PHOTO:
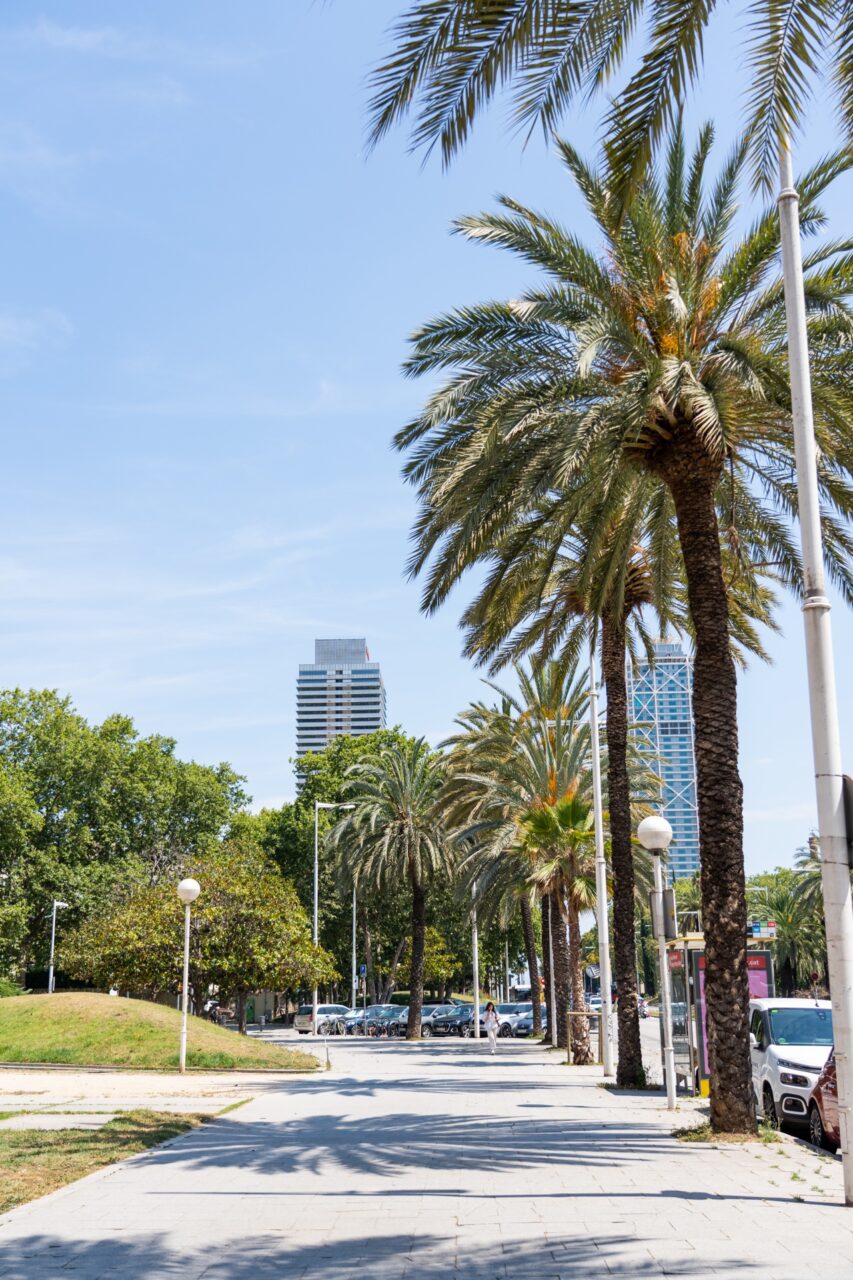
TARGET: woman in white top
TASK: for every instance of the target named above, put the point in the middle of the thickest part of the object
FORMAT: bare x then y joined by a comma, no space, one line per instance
491,1023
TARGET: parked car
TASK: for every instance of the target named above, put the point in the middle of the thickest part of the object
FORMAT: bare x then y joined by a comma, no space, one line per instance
824,1127
358,1019
330,1019
790,1041
428,1015
509,1015
448,1022
524,1026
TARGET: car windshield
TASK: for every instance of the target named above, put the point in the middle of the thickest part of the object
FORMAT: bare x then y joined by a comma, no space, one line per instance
509,1008
304,1011
801,1026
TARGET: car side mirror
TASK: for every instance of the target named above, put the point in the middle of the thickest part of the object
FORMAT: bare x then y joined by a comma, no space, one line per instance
753,1043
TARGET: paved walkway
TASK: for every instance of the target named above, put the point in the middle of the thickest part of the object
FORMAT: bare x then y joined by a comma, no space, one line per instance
435,1160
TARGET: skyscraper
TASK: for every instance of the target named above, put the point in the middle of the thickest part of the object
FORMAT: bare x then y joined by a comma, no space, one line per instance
340,692
660,698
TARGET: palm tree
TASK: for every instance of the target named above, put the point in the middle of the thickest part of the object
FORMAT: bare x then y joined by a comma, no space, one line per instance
396,832
560,839
799,948
542,586
664,356
506,765
452,56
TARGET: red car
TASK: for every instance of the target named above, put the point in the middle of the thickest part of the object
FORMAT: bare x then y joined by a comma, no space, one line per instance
823,1109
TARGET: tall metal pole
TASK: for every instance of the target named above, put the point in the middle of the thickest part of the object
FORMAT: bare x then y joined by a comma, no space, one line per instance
316,934
601,915
552,1014
185,988
826,741
475,949
506,969
354,987
665,996
52,946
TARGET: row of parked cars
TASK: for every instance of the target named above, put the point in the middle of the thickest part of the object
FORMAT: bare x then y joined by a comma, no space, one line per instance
793,1066
450,1017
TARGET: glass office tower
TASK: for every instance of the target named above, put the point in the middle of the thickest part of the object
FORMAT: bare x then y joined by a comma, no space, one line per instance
660,698
340,692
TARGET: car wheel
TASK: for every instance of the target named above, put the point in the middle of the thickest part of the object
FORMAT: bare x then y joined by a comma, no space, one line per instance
426,1032
505,1031
817,1133
323,1029
771,1115
465,1032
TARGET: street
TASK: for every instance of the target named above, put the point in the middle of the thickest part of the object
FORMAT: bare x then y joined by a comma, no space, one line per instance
416,1160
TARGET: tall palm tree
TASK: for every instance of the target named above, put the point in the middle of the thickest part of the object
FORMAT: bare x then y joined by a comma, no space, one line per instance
560,839
664,355
506,764
394,833
542,589
451,57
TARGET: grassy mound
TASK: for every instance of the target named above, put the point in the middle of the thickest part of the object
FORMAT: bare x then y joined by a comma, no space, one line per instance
84,1029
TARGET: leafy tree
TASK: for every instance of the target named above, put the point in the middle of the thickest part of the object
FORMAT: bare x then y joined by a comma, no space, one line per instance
396,834
439,963
665,356
248,932
86,808
287,835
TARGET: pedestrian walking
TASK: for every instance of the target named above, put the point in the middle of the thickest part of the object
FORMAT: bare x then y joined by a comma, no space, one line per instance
491,1023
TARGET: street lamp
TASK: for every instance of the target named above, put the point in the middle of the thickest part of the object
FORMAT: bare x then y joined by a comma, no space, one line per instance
475,953
188,891
655,834
318,805
57,906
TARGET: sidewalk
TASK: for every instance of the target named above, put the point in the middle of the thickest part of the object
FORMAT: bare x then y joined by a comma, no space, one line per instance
436,1160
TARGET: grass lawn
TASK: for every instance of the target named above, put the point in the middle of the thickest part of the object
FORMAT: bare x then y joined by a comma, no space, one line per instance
34,1162
81,1028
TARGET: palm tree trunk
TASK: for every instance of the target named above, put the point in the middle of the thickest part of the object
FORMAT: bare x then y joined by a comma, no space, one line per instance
629,1068
692,482
416,985
545,906
562,978
532,962
581,1053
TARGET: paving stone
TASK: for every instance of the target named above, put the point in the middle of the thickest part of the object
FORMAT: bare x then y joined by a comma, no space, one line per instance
433,1160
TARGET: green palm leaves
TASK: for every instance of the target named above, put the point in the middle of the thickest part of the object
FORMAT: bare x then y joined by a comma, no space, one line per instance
452,57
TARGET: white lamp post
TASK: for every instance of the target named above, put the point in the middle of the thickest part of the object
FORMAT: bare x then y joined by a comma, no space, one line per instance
823,704
354,987
188,891
475,950
655,834
600,868
318,805
57,906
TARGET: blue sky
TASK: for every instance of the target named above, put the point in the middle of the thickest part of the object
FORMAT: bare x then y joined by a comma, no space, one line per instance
204,305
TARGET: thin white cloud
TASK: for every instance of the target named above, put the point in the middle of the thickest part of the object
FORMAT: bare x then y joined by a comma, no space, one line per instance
119,44
25,332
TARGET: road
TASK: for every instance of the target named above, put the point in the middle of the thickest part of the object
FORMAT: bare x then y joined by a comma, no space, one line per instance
435,1160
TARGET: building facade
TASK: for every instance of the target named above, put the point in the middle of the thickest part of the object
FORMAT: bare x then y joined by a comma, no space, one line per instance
660,706
340,692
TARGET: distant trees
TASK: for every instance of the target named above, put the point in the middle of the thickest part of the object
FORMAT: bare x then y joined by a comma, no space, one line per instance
85,808
396,834
249,933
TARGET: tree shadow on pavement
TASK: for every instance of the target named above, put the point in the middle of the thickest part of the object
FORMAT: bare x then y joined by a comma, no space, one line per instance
264,1255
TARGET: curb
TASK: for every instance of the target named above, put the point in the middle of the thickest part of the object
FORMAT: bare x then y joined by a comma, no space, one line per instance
91,1069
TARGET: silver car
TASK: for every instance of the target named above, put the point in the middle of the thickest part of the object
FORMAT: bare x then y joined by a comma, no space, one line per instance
330,1019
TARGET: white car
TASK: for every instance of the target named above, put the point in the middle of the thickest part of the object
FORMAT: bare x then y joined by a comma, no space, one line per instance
790,1041
330,1018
